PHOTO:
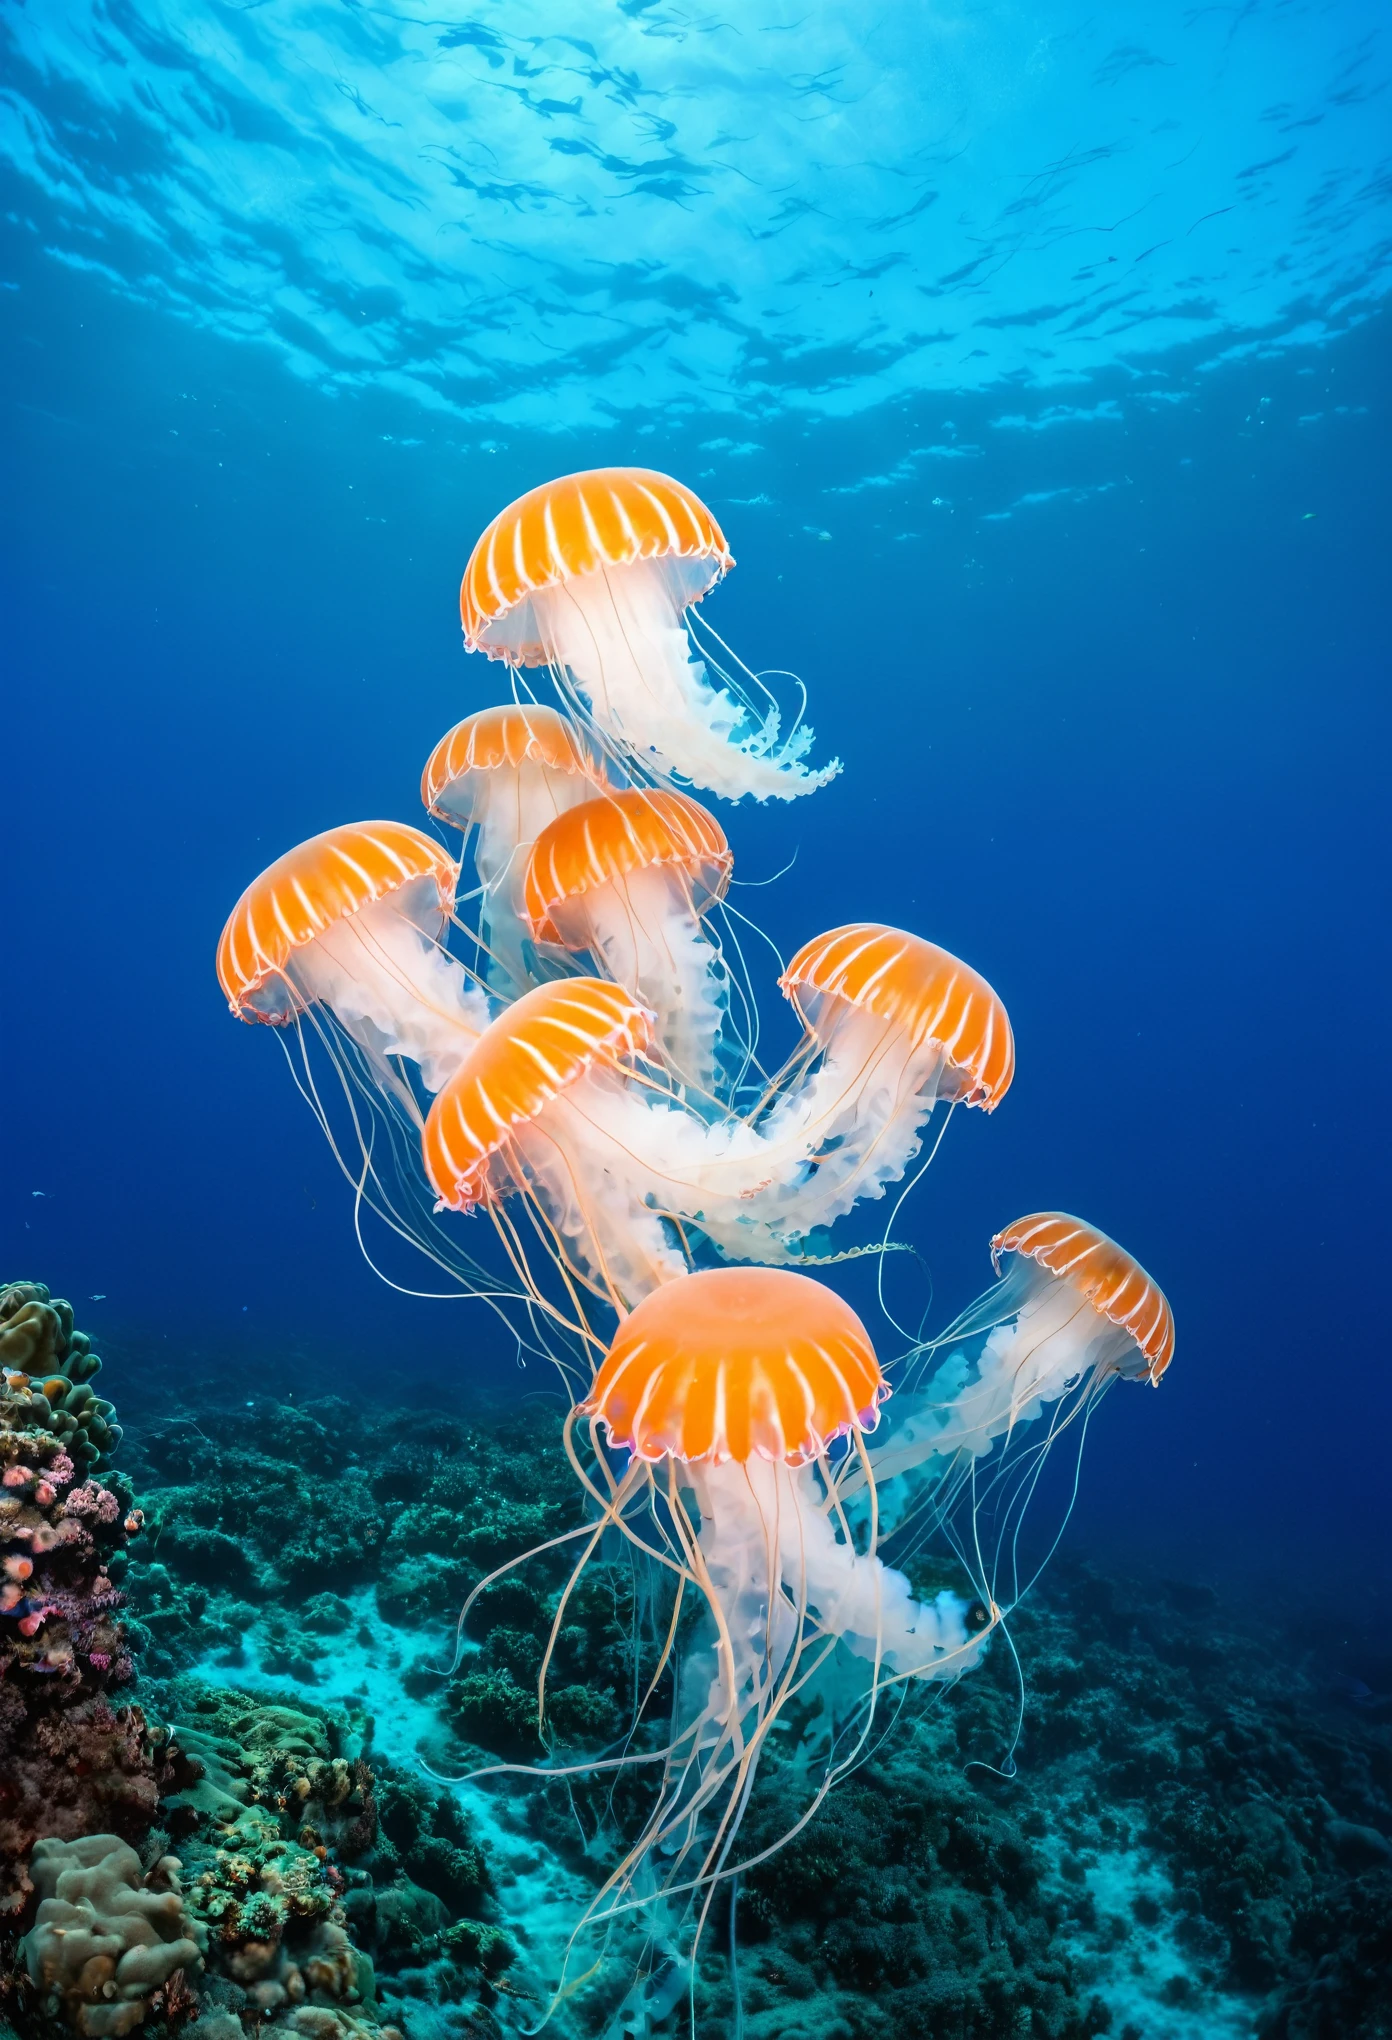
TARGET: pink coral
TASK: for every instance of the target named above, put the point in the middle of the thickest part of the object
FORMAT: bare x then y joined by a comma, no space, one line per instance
61,1470
18,1476
93,1500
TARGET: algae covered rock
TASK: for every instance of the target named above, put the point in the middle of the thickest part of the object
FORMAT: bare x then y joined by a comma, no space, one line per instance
426,1833
479,1946
108,1943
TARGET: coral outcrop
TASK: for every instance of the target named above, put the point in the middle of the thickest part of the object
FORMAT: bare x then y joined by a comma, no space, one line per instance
301,1862
75,1763
110,1944
263,1815
263,1806
37,1340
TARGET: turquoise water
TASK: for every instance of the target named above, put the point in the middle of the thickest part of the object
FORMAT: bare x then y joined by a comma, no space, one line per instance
1034,364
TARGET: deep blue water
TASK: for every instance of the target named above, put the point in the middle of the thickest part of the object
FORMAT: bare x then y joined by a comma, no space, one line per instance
1093,603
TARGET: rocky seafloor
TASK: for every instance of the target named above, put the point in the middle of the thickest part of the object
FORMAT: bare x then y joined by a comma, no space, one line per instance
228,1697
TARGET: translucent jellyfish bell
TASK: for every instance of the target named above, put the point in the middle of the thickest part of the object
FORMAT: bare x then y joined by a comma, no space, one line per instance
505,773
894,1026
593,575
521,1118
629,877
352,921
729,1391
744,1377
1072,1312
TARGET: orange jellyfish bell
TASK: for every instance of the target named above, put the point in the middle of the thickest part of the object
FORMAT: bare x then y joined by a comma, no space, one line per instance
606,841
604,517
460,769
921,991
297,901
504,773
533,1053
596,576
736,1364
1114,1283
628,877
352,923
537,1112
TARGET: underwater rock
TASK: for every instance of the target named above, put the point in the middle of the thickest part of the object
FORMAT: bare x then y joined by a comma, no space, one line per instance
426,1832
108,1944
479,1946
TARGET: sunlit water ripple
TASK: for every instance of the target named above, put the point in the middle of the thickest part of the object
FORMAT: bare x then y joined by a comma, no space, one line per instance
548,215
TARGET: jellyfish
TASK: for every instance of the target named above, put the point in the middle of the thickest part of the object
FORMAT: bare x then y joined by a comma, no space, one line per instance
506,773
893,1027
739,1397
353,921
629,877
1073,1313
596,576
633,1183
746,1377
340,944
517,1120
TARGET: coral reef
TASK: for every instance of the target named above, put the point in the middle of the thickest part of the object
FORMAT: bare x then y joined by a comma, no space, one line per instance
265,1526
1165,1859
304,1864
109,1944
75,1764
259,1803
1197,1837
1118,1881
37,1340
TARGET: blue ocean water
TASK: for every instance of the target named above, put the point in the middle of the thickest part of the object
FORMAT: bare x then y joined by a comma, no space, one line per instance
1036,362
1036,366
